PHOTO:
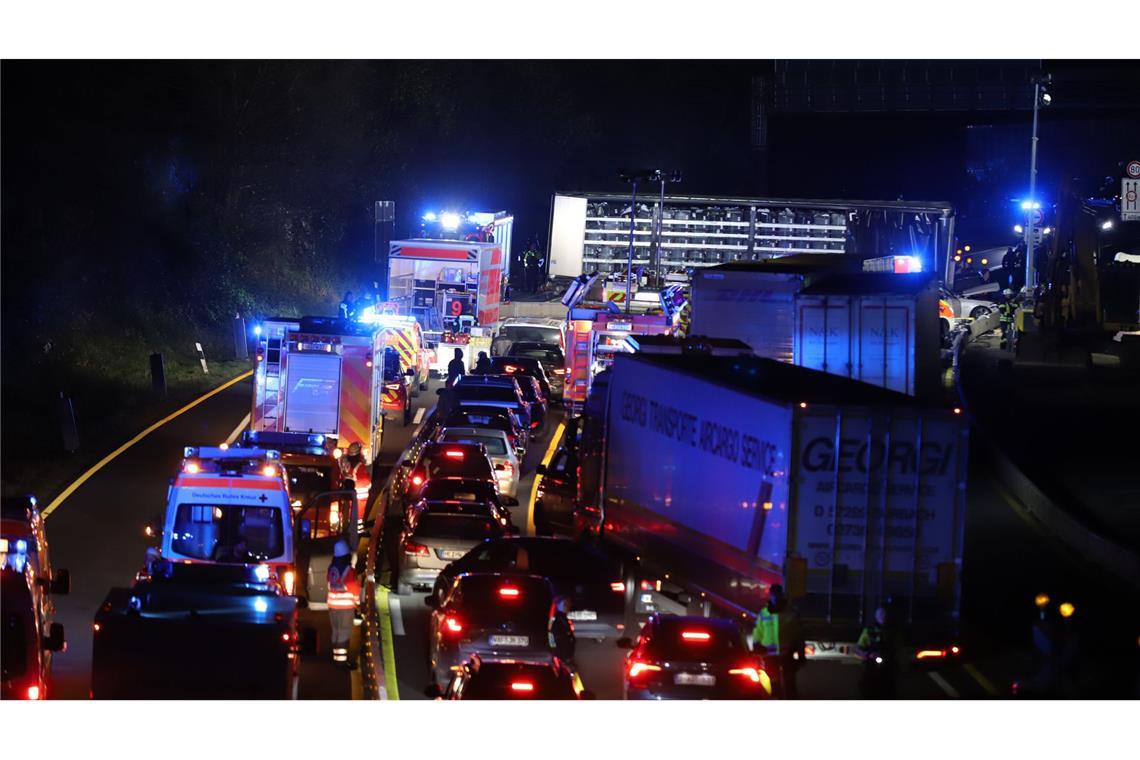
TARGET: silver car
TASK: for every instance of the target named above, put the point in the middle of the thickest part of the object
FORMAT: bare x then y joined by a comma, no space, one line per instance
438,532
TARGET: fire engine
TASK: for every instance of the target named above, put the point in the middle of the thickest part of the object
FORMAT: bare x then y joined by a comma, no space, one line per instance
322,375
406,363
595,336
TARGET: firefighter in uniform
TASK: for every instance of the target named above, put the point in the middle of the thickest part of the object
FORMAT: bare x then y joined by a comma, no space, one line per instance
531,267
1008,311
777,636
876,645
344,591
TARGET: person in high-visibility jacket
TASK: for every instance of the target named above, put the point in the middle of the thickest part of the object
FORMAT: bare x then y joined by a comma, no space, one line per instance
344,592
777,636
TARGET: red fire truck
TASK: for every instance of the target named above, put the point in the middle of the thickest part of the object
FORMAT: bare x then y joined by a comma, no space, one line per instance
594,337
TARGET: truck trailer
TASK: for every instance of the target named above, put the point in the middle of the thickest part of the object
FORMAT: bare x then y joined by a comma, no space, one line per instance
729,474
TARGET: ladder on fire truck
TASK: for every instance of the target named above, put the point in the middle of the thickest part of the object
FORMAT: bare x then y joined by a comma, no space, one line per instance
271,394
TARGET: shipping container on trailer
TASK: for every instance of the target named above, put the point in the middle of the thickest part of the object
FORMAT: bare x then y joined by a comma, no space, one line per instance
320,375
727,475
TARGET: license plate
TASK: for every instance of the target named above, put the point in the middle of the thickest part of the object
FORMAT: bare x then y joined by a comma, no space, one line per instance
582,615
510,641
694,679
451,553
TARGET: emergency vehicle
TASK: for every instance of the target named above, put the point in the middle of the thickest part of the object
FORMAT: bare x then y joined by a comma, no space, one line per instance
321,375
232,505
29,582
406,364
595,337
447,285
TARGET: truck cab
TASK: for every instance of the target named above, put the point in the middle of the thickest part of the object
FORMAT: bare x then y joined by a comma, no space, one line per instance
231,506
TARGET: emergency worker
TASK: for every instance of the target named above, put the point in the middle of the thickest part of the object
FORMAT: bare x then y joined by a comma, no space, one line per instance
344,592
877,646
347,306
531,258
352,464
1007,310
456,368
561,631
482,365
778,638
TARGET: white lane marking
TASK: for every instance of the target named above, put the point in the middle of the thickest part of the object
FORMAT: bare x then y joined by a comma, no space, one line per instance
944,685
420,415
237,431
397,617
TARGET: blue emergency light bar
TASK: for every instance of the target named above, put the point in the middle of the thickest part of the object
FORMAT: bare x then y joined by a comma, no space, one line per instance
227,452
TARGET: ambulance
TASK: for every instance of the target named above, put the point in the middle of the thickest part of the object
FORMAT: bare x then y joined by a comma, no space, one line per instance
232,506
323,375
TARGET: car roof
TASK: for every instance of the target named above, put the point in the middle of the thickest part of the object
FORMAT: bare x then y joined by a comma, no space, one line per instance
530,322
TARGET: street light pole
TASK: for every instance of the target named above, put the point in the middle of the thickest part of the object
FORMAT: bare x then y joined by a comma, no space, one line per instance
1033,203
629,260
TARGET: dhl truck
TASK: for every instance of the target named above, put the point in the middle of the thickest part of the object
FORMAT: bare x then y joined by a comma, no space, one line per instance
322,375
721,476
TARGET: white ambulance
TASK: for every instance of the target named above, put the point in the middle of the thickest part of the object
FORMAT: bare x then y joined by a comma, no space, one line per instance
231,505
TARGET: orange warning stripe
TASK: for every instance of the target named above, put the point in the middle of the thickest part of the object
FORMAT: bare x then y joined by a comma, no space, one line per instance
258,484
355,401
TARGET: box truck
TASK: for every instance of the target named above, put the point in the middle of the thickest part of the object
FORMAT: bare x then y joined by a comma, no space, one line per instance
725,475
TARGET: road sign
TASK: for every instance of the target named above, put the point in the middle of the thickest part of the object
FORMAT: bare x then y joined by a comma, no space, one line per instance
1038,216
1132,171
1130,200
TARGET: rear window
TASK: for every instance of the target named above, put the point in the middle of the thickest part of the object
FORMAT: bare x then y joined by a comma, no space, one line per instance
477,419
228,533
439,525
680,639
566,559
465,490
543,355
486,393
495,445
530,334
471,464
514,682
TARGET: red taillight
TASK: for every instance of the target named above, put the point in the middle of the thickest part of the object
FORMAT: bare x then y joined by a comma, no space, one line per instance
695,636
617,586
454,454
417,479
526,686
930,654
534,424
506,467
33,692
954,650
637,667
416,550
288,580
509,592
509,368
751,673
452,625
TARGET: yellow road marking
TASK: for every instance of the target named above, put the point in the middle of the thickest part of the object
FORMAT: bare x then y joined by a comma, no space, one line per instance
554,439
390,684
984,682
237,431
107,459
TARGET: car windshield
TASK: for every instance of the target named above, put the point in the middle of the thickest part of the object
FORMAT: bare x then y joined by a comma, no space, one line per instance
468,463
309,479
445,525
682,639
563,559
496,446
483,602
532,333
494,681
548,355
228,532
459,490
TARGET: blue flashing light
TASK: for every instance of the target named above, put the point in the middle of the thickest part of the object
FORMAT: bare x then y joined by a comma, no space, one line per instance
21,546
317,439
430,216
1026,205
259,603
261,572
449,221
257,329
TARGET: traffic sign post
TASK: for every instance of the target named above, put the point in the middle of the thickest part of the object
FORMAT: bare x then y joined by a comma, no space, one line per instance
1130,198
1132,171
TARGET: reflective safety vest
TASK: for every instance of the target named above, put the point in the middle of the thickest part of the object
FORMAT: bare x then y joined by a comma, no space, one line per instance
344,589
775,631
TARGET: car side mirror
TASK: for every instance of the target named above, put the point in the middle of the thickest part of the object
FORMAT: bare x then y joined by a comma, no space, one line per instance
61,582
540,470
54,641
433,691
510,501
308,641
625,642
431,601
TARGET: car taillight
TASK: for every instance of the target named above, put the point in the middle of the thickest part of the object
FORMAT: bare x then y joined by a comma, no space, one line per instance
452,625
334,515
289,580
930,654
752,674
416,550
33,692
417,479
509,369
637,667
454,454
695,636
526,686
509,592
534,424
617,586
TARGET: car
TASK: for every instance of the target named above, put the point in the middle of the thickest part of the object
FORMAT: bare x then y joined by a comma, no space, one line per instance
511,679
523,365
436,532
507,464
492,390
530,330
576,569
448,460
683,657
492,615
963,307
550,356
495,418
557,493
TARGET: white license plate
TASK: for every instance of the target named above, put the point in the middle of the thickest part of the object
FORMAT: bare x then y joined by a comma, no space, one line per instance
582,615
694,679
451,553
510,641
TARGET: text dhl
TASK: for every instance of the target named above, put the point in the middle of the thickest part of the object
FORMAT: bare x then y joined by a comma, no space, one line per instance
857,455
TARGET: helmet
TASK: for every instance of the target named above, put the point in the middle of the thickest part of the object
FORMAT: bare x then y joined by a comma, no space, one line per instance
1007,293
354,449
341,549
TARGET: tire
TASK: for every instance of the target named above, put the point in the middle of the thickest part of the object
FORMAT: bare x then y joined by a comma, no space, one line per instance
979,312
